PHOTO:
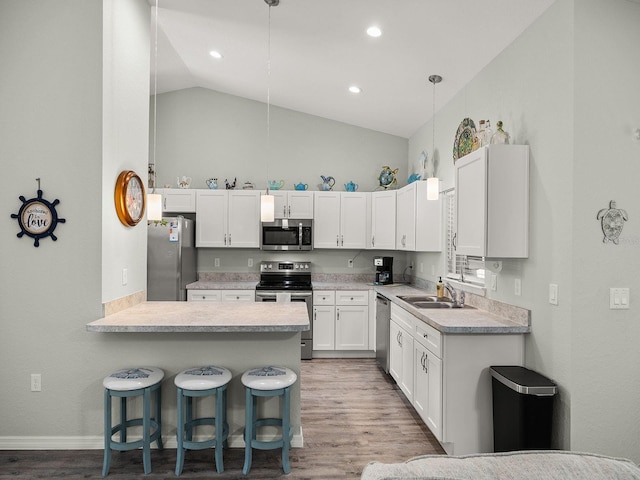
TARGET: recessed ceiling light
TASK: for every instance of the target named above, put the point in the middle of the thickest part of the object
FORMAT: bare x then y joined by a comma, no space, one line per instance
215,54
355,89
374,31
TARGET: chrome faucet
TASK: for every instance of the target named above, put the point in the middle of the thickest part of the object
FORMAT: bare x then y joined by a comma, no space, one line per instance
456,297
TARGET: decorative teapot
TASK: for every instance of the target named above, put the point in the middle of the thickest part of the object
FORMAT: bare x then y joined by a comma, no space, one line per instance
184,182
387,177
351,187
276,184
248,186
212,183
300,186
327,182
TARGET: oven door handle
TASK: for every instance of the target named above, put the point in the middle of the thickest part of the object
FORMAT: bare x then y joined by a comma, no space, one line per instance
260,295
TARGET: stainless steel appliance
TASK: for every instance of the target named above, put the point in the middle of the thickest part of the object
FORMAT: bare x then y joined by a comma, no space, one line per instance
288,281
384,270
383,323
171,258
287,234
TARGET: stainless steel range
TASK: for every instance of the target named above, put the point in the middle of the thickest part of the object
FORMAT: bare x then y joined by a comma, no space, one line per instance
294,279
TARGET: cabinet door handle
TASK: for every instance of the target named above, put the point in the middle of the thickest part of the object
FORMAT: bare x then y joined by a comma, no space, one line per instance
424,335
337,240
164,203
373,240
284,210
289,210
453,241
225,238
426,360
229,239
337,314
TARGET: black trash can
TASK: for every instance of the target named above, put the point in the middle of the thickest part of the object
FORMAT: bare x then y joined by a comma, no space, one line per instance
522,409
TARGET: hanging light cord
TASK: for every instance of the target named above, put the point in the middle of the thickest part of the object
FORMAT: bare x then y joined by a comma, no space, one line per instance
155,97
268,97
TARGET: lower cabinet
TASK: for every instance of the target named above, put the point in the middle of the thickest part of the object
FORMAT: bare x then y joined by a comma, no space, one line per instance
341,320
446,377
221,296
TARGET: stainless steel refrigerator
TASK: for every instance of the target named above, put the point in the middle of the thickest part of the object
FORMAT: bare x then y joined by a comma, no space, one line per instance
171,258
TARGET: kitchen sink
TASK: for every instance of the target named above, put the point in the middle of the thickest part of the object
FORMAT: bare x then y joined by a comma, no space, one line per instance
429,302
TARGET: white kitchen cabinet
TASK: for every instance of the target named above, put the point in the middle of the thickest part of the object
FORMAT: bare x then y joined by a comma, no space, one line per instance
450,383
427,395
383,220
227,218
177,200
418,220
296,204
341,320
341,220
401,350
221,296
492,202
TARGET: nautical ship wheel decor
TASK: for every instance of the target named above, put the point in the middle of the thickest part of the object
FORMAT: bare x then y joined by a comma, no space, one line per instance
37,218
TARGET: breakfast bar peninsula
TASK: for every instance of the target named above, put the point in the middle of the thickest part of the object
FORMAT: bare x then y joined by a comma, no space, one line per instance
235,335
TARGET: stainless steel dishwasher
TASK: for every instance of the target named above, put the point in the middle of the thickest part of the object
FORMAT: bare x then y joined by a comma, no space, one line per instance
383,320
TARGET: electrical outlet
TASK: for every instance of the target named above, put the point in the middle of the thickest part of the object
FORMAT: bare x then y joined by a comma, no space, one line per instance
433,270
517,287
125,276
216,262
36,382
421,267
350,263
250,262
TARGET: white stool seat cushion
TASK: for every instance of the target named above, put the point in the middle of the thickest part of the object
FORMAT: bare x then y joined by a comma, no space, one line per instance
203,378
269,378
133,378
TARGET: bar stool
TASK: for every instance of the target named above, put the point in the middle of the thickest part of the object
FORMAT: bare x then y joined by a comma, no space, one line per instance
267,382
127,383
202,382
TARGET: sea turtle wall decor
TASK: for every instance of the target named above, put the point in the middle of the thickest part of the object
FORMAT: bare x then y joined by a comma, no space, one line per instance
612,220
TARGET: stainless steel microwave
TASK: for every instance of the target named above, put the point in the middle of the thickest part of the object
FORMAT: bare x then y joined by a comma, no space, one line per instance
287,234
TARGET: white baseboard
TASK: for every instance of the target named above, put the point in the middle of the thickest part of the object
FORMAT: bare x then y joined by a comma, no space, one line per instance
97,443
343,354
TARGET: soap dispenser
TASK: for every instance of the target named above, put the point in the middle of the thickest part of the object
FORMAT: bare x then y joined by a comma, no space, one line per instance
440,289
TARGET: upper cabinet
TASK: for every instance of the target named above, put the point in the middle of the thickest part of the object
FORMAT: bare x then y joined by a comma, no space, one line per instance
177,200
228,218
296,204
341,220
418,220
383,220
492,202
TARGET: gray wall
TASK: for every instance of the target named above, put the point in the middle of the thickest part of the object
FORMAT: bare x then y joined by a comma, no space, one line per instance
202,134
568,88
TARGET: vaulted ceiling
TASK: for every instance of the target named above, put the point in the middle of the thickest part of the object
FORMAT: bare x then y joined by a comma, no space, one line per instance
319,48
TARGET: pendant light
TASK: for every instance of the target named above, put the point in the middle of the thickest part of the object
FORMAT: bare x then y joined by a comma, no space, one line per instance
267,202
154,200
433,183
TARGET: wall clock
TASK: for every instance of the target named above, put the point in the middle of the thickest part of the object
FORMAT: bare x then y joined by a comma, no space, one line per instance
129,198
37,218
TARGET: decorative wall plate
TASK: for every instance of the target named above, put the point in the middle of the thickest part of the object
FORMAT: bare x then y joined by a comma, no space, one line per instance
37,218
463,143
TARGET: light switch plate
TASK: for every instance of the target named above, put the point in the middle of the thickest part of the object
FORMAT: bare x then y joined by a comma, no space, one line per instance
553,294
618,298
517,287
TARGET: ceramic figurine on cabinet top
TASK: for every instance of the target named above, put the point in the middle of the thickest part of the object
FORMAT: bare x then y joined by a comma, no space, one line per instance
387,177
230,186
212,183
500,137
351,187
184,182
612,220
327,183
276,184
300,186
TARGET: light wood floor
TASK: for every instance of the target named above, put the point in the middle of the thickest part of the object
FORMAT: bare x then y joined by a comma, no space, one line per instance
349,419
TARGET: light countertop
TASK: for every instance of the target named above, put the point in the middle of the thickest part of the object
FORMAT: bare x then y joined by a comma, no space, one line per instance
501,319
206,317
220,285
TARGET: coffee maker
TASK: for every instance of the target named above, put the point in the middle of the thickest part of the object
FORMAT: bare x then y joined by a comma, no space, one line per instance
384,270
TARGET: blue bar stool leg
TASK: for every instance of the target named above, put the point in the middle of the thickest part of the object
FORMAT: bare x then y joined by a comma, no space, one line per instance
180,433
159,417
248,431
189,410
225,444
286,430
146,426
220,426
107,433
